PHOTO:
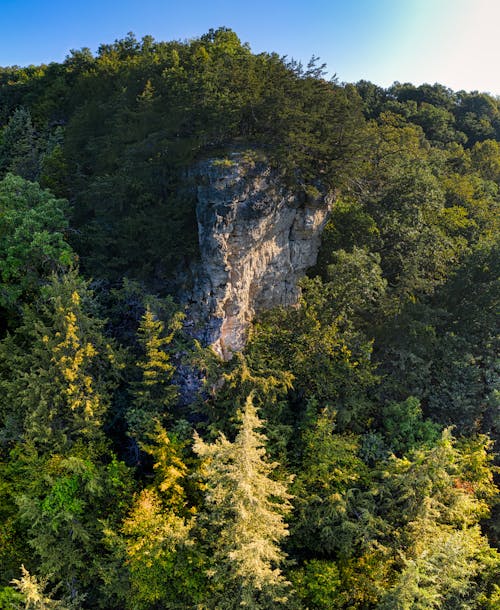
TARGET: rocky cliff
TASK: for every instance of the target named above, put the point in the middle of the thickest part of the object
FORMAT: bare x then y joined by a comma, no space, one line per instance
257,238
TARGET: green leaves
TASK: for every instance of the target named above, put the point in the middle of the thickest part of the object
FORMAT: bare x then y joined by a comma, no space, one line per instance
326,492
32,239
404,428
18,146
318,584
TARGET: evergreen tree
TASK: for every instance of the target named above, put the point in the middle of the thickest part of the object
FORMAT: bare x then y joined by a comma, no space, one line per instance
438,496
33,225
154,394
155,542
244,519
59,369
33,594
59,373
18,147
228,385
332,517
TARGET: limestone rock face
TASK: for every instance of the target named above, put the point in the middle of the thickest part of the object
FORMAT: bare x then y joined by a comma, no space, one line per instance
256,238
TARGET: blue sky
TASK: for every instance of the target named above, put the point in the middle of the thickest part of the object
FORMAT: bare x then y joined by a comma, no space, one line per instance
454,42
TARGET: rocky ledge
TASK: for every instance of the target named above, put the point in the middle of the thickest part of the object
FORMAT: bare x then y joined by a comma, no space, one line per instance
257,238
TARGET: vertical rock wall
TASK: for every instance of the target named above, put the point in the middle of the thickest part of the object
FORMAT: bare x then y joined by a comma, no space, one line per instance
256,238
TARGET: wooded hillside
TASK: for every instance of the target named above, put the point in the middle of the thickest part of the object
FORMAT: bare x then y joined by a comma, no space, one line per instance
347,458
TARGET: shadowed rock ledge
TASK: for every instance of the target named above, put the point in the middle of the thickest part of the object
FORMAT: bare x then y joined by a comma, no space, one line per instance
257,238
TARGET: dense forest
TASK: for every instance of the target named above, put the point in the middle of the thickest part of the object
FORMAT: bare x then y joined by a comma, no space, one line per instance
347,458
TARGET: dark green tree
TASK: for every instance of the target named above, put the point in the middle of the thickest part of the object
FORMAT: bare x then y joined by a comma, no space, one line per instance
18,146
33,242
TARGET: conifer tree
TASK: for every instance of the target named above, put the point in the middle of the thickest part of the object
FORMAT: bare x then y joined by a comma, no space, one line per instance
245,510
331,515
437,497
57,379
60,370
33,225
153,393
153,542
33,594
18,147
155,535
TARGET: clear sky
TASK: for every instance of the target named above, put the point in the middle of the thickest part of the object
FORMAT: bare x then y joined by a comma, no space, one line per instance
453,42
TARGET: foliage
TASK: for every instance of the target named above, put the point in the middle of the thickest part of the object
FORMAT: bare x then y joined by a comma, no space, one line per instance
378,393
245,509
59,369
331,516
58,375
443,494
317,584
18,153
154,393
32,592
156,534
32,239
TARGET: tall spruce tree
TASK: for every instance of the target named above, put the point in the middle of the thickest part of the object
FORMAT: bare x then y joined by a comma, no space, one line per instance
154,392
155,537
244,519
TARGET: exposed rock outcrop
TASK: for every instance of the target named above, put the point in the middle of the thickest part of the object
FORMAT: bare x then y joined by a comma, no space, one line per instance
256,238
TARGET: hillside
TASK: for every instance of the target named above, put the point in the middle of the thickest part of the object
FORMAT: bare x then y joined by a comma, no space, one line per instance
249,335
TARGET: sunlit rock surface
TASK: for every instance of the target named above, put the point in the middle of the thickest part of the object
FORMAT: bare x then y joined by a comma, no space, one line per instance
257,238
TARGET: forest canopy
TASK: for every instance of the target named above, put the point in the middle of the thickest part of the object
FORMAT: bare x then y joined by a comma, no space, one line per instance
348,457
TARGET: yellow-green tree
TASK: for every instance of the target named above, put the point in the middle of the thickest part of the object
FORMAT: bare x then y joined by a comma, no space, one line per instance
155,537
243,519
438,496
154,393
58,374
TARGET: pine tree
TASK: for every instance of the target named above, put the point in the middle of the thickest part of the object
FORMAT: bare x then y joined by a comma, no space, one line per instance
245,510
154,393
442,493
332,515
60,370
